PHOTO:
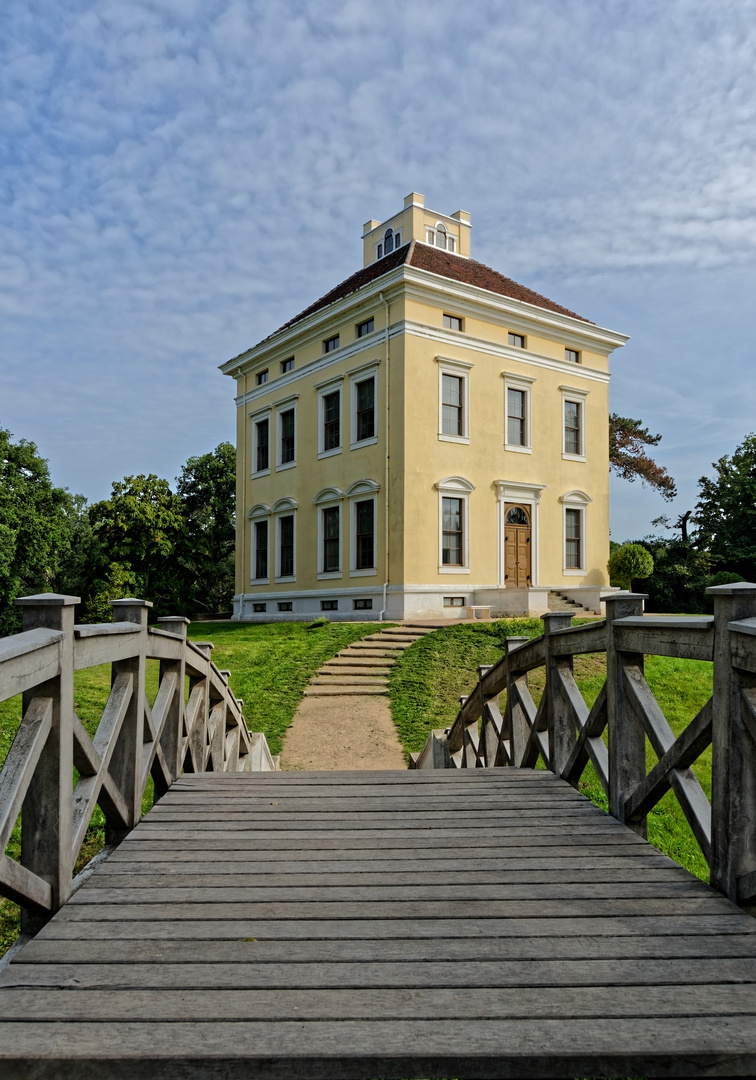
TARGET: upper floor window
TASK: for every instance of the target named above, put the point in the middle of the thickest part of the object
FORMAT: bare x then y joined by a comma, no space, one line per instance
366,327
261,377
573,427
288,445
517,432
332,420
331,344
365,391
518,340
572,356
262,445
452,322
287,365
452,405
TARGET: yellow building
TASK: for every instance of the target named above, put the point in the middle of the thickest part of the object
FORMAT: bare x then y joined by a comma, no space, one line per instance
427,437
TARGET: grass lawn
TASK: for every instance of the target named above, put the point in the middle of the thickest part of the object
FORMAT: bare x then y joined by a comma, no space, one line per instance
432,674
270,666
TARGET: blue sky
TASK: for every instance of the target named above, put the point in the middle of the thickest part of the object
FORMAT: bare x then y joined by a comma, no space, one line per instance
179,177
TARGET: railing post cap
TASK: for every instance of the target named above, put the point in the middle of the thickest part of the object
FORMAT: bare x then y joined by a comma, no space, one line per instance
623,594
203,644
174,619
735,588
131,601
47,599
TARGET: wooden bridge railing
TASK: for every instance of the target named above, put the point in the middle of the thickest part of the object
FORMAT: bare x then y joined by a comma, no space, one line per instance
566,734
55,774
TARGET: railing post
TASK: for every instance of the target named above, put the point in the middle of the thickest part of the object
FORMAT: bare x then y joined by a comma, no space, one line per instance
627,739
171,738
47,811
561,726
519,731
126,761
733,767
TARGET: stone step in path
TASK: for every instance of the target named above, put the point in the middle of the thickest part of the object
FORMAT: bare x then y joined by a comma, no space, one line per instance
363,667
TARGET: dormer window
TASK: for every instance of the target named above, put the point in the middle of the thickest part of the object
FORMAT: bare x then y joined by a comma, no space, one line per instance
388,241
439,237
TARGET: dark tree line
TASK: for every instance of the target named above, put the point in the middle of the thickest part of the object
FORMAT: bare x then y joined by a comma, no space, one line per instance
174,547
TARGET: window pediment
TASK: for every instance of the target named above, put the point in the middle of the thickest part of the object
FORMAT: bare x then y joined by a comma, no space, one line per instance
362,487
284,504
328,494
258,510
455,483
576,497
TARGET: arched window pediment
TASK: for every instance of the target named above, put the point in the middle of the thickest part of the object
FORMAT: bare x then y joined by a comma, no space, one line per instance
577,497
258,510
328,494
455,483
285,504
362,487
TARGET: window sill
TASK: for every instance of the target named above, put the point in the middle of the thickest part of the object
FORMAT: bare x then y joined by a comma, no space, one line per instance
329,575
260,581
454,438
263,472
454,569
286,465
285,580
329,453
574,573
363,442
363,573
515,449
573,457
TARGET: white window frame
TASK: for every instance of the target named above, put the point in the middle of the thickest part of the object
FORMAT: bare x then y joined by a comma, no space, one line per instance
359,375
460,369
362,491
256,418
576,396
575,500
324,389
525,384
284,508
259,512
286,405
326,498
513,344
454,487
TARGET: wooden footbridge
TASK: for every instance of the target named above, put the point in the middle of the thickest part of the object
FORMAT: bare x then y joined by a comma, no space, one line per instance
471,917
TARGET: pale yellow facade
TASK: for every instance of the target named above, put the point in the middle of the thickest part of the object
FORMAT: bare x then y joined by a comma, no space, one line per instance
403,509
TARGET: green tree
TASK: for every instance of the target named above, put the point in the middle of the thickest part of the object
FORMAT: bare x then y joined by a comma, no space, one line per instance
207,489
629,562
36,524
628,458
726,511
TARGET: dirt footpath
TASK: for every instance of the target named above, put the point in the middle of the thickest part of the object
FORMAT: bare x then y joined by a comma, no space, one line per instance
342,733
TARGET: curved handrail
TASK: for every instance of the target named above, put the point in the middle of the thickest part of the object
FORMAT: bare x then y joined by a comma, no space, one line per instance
55,774
566,735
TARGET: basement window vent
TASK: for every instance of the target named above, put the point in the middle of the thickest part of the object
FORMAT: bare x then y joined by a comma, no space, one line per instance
259,607
363,605
329,605
454,601
285,605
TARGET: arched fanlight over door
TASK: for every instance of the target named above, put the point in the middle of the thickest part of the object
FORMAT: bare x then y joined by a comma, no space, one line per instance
518,515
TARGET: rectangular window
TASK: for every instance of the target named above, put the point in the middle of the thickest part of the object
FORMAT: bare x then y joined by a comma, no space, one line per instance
331,344
452,405
288,448
379,251
572,356
365,328
286,546
261,377
261,549
572,426
285,605
365,391
332,420
452,547
262,443
518,340
364,513
516,418
331,540
329,605
573,542
287,365
452,322
454,601
259,608
363,605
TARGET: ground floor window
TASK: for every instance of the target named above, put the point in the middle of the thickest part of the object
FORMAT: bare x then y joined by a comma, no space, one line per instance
261,549
331,539
452,545
286,546
573,539
365,534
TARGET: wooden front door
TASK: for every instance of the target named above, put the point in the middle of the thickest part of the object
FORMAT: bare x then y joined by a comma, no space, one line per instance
517,546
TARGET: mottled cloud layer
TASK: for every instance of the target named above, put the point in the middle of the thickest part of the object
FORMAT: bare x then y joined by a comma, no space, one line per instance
179,176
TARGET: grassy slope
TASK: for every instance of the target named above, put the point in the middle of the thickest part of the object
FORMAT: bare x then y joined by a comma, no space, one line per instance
270,666
432,674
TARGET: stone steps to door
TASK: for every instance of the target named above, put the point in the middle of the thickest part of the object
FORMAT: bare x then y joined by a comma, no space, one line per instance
363,667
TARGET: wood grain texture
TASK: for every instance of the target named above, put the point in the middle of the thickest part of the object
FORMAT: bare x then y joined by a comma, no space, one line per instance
377,926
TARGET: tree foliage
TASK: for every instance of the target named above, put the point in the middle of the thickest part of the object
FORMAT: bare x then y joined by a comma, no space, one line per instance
36,524
628,458
630,562
207,490
725,514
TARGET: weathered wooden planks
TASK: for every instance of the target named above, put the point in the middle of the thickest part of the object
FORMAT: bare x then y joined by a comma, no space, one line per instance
383,925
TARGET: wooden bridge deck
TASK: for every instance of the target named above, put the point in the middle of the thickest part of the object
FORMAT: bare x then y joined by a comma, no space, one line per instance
474,923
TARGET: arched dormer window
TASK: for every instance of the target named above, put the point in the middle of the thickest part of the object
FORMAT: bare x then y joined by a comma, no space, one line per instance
441,235
388,241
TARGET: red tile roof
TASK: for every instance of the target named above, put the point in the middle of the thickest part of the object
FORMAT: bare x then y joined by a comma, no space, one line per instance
424,257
